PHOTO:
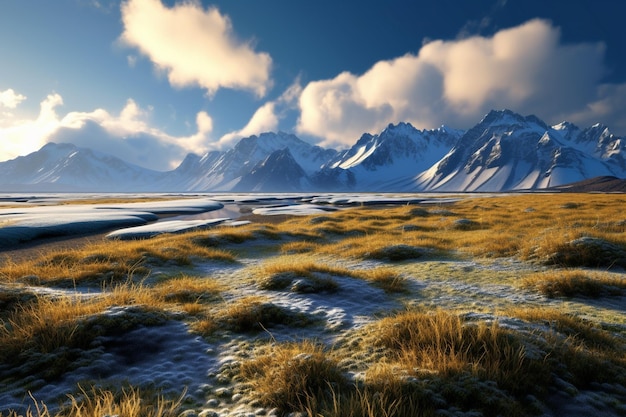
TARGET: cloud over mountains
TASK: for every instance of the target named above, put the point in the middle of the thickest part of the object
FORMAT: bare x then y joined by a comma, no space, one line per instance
525,68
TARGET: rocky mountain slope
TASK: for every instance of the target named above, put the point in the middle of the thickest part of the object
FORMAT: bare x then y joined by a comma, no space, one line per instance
507,151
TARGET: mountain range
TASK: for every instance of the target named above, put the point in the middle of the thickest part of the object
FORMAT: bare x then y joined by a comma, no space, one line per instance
505,151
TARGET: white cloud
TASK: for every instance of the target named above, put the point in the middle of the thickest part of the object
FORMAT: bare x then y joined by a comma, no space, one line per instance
127,135
609,103
10,99
19,137
524,68
194,46
264,119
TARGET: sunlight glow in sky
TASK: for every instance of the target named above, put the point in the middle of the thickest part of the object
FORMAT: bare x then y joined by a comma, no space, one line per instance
152,80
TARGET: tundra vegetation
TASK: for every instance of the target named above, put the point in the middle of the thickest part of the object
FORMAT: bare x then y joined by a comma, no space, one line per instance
506,305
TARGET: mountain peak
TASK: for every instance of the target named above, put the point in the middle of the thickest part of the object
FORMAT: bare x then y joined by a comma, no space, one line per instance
507,117
565,125
58,146
399,128
279,171
504,151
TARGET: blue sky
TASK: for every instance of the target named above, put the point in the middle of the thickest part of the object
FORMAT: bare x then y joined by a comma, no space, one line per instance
151,80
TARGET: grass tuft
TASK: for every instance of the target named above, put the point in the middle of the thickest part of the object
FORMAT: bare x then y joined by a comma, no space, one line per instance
442,343
386,278
292,376
96,402
588,251
300,277
395,253
252,314
575,283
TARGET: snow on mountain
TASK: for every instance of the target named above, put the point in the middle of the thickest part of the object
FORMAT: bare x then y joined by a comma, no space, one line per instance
598,141
398,151
507,151
279,172
65,167
504,151
222,171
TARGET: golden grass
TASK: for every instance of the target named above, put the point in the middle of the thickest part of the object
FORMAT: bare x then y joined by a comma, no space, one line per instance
441,343
129,402
60,324
571,326
307,377
281,273
45,325
576,283
110,262
298,247
530,226
254,313
429,360
187,289
579,350
247,314
384,277
290,376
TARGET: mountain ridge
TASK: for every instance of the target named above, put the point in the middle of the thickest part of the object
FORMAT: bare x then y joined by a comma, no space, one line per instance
504,151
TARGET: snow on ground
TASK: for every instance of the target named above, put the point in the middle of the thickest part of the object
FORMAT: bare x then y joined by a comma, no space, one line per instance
16,228
154,229
292,209
22,224
354,304
195,205
169,357
50,217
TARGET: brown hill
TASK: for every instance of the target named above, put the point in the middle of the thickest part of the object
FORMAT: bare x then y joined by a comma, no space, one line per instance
604,184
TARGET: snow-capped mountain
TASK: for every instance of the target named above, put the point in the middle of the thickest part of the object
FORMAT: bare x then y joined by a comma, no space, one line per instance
596,140
279,172
504,151
222,171
398,151
65,167
507,151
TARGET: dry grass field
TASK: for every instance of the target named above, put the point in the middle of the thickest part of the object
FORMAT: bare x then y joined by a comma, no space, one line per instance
491,305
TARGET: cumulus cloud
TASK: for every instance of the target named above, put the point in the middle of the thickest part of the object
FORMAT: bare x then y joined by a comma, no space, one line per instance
606,108
127,135
266,118
194,46
10,99
18,137
524,68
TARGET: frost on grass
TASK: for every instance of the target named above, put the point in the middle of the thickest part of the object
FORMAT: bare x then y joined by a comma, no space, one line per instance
120,346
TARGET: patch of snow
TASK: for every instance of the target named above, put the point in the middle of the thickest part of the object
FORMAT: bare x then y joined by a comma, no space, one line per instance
292,209
361,154
27,223
196,205
173,226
